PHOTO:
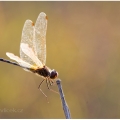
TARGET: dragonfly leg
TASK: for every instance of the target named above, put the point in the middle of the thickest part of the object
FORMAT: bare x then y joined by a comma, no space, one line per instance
49,87
41,83
41,90
50,82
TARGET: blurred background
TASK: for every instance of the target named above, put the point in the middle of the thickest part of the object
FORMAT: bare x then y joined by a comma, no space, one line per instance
83,45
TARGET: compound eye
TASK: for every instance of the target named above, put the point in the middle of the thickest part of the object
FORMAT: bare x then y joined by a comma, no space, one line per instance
54,74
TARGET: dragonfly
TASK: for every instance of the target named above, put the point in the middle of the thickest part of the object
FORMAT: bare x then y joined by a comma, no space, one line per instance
33,51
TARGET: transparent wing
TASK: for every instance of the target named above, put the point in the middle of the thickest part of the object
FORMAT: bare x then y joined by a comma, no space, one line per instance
39,42
27,38
19,60
29,52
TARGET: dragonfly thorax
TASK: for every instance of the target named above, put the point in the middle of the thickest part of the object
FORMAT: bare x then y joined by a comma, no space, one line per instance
45,72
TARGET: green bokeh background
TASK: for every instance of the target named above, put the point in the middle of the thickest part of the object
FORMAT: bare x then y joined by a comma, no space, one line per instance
83,45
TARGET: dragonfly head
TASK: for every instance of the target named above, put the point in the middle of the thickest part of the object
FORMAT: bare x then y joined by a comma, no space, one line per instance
53,74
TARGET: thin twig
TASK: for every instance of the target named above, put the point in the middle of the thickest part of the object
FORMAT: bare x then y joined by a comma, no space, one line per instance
64,103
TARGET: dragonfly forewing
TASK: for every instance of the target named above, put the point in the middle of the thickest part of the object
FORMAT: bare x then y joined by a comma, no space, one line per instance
40,37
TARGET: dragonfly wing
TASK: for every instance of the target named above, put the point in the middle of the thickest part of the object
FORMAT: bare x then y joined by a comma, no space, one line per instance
30,53
39,42
19,60
27,38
